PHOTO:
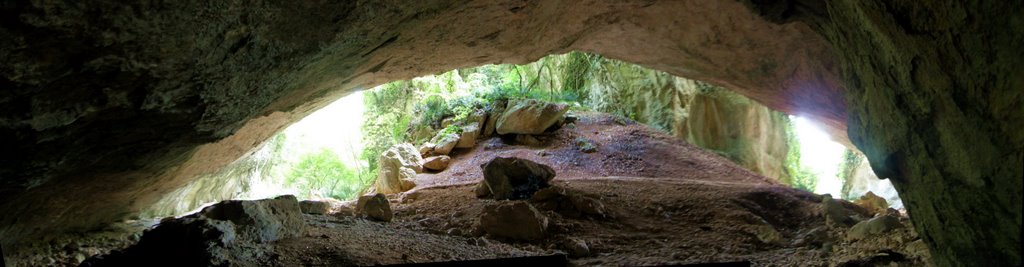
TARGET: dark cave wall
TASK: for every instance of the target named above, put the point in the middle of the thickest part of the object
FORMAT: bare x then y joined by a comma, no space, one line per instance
934,95
935,101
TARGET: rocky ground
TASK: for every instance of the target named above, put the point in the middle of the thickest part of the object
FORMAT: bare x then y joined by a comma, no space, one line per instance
623,194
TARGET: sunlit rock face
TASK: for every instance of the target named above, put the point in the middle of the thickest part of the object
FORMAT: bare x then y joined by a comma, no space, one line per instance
109,105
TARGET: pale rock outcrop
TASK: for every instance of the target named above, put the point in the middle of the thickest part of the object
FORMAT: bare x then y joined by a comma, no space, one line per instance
398,167
529,116
468,137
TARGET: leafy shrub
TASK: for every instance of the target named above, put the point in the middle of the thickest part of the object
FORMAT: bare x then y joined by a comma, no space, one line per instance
324,174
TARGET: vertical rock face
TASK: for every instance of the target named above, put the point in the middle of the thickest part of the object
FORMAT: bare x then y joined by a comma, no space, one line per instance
748,133
935,102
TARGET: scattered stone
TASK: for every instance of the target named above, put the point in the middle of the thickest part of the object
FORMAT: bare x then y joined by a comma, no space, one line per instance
315,207
514,220
529,116
398,167
817,237
481,190
528,140
444,143
585,145
375,207
874,226
468,137
837,213
79,257
515,178
873,203
767,234
577,248
437,163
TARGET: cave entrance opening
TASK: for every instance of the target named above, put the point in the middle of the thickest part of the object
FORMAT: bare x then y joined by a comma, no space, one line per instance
334,152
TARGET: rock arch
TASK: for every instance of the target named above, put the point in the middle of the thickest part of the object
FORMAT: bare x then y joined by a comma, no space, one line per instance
110,105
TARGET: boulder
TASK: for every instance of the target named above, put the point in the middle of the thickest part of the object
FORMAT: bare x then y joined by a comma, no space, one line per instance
478,118
874,226
873,203
437,163
529,116
481,190
262,220
375,207
497,108
839,212
315,207
426,149
468,137
216,236
397,169
515,178
577,248
514,220
444,143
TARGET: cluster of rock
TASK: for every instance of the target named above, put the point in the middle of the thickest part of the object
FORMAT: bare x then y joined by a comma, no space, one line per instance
216,236
872,233
522,118
524,193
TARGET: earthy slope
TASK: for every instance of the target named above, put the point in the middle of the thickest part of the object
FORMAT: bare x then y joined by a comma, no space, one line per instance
666,202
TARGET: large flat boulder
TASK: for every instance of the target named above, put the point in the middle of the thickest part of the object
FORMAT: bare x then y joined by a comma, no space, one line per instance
529,116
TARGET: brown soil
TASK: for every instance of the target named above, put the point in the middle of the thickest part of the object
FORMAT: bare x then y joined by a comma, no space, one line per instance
668,202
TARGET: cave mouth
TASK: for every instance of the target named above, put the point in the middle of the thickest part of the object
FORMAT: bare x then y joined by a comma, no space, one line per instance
335,155
325,155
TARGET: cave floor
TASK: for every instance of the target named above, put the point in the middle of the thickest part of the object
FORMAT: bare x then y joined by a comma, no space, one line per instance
667,203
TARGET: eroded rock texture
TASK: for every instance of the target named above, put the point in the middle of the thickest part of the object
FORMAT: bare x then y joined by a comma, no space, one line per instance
109,105
934,97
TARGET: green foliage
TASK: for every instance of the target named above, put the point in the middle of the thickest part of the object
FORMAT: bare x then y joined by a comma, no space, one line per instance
846,169
385,120
801,176
324,174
